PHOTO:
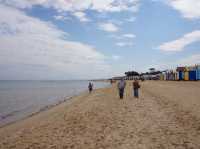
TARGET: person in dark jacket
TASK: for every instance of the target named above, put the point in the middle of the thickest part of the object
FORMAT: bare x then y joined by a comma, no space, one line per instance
136,87
90,87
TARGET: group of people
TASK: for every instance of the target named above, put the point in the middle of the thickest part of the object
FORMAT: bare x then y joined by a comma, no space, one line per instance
121,87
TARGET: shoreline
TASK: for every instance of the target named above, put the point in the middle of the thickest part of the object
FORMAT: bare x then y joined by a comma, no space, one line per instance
23,111
46,108
17,125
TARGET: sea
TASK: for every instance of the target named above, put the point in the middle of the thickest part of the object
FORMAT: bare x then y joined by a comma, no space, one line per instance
20,99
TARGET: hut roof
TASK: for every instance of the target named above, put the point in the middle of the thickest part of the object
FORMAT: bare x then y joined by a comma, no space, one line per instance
180,69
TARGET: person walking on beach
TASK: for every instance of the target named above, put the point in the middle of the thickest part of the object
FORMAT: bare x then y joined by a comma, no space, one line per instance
136,87
121,86
90,87
111,81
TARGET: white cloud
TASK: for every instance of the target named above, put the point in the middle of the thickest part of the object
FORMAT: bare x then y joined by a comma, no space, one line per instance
124,44
188,8
181,43
81,16
61,17
123,36
108,27
78,5
131,19
129,36
31,47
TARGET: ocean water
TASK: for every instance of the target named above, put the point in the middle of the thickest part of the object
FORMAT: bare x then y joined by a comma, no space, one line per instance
19,99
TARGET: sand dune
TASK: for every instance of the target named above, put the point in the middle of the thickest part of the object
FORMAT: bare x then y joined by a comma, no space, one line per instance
166,116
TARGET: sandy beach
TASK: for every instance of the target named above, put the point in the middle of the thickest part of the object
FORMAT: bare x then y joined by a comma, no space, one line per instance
166,116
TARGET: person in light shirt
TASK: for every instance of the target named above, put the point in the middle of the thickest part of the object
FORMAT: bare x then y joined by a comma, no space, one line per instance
121,86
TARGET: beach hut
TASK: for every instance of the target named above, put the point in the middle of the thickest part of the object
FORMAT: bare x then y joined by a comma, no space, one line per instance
172,76
186,74
192,75
180,71
161,77
181,75
198,72
176,76
165,76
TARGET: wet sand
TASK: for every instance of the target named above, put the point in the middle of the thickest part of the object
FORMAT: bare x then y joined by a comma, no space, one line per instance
166,116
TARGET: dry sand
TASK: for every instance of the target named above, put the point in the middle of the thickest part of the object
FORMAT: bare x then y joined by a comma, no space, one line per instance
166,116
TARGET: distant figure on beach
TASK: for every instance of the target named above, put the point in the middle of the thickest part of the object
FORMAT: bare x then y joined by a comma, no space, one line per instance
121,86
111,81
136,87
90,87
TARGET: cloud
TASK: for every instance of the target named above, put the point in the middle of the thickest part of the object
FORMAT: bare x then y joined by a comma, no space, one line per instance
123,36
181,43
190,9
62,17
30,47
124,44
129,36
108,27
81,16
131,19
78,5
59,17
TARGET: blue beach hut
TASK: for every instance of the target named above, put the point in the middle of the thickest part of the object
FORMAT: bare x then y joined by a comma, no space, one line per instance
180,71
181,75
193,75
198,72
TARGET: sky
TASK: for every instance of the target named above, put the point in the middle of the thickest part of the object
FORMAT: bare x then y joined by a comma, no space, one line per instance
91,39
